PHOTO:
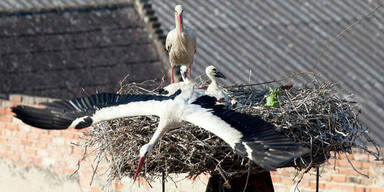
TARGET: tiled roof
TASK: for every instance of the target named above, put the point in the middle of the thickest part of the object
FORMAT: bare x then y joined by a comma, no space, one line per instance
22,5
61,53
269,39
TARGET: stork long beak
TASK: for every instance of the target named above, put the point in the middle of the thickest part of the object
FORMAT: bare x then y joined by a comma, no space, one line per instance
141,162
218,74
180,20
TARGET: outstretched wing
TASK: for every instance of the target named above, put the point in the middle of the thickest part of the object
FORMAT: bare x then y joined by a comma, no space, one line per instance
85,111
249,135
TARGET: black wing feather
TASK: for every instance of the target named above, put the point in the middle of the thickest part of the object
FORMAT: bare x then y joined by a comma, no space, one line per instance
270,148
61,114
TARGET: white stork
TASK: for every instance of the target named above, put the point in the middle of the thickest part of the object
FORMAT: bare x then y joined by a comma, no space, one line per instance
213,89
180,43
172,88
250,136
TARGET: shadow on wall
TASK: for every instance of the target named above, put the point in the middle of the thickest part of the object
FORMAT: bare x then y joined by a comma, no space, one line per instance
16,179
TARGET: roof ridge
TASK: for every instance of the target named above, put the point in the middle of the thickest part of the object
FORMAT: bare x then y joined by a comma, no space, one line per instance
34,7
153,25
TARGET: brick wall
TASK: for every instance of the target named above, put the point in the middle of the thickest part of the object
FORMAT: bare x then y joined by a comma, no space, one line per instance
51,153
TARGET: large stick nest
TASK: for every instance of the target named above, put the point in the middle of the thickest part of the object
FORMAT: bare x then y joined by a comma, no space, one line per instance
313,115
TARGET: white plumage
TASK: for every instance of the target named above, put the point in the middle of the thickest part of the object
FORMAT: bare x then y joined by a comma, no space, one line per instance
180,43
213,89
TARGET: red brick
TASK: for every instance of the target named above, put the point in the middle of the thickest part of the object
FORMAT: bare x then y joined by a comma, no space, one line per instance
77,150
9,133
26,142
12,126
118,186
287,181
349,171
339,178
39,131
306,190
39,145
366,181
65,150
36,160
343,156
13,156
21,135
69,171
3,141
15,98
339,186
58,170
33,136
304,184
376,190
5,111
313,185
55,132
68,135
275,178
365,165
360,189
3,125
356,180
361,156
6,118
30,151
45,139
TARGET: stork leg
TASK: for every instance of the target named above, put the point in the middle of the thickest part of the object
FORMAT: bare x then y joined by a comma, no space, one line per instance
172,79
189,71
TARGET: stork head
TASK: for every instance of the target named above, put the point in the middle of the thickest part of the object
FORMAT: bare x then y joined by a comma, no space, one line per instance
178,9
144,152
212,73
179,17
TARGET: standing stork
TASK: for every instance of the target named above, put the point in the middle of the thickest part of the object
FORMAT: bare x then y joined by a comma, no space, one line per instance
249,135
180,43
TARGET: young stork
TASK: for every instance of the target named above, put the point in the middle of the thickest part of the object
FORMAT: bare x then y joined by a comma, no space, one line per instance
180,43
172,88
213,89
250,136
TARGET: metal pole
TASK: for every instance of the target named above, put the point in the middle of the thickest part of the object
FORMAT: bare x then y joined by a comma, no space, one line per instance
317,179
163,182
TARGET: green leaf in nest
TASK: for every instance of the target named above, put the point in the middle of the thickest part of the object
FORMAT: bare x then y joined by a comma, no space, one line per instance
272,100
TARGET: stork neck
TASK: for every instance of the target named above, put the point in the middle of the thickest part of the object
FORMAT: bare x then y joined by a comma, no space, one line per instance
161,129
213,80
179,24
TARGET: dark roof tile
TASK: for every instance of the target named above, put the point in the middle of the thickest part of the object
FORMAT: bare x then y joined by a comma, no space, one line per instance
59,53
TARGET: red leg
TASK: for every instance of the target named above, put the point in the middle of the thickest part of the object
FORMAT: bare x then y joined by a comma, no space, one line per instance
172,80
189,71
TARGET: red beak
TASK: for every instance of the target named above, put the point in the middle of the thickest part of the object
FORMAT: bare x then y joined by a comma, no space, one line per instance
180,19
141,162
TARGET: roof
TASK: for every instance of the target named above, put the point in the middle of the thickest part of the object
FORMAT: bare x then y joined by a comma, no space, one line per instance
63,53
258,41
23,5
